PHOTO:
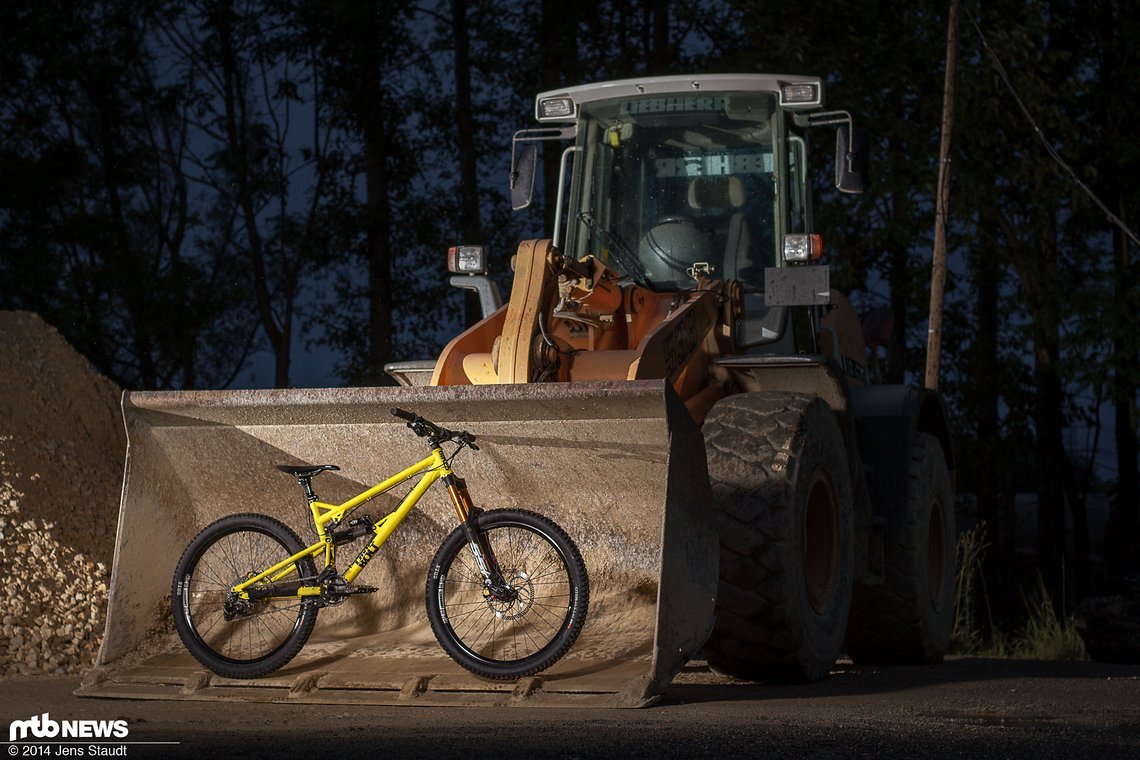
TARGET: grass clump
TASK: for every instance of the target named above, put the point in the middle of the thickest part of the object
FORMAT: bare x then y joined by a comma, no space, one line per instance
1044,635
967,636
1047,635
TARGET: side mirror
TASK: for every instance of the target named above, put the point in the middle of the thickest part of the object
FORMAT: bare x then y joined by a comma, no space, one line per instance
524,156
851,159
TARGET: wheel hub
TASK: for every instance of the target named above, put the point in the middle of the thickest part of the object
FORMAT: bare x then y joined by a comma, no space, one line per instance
821,541
234,607
513,598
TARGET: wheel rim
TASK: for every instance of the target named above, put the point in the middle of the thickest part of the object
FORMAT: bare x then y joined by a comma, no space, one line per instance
244,639
508,629
936,554
821,540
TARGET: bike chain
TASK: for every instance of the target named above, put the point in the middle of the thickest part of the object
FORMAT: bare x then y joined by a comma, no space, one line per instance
276,609
290,607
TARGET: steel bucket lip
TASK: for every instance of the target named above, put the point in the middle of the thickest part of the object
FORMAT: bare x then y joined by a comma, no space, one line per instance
481,403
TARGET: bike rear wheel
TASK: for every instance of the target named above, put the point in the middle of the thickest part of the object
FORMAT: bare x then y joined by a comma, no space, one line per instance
259,635
529,625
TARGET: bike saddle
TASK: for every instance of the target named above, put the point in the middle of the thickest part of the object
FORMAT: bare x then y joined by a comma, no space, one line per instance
306,470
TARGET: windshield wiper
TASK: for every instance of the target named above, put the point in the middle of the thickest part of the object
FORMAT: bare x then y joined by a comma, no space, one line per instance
621,252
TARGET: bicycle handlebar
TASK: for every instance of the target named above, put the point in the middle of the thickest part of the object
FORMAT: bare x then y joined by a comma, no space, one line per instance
409,416
422,427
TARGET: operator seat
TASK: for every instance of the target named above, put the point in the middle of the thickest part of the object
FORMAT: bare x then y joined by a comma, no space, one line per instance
726,193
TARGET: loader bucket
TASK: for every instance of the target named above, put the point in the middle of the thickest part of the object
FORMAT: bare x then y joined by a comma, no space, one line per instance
620,466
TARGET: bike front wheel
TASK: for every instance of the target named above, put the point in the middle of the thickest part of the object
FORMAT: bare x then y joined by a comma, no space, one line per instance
241,638
528,623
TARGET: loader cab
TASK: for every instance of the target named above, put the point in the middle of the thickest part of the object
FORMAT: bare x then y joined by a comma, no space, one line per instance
673,177
665,186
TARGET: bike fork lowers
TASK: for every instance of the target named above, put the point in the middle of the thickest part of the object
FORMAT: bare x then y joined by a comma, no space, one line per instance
476,540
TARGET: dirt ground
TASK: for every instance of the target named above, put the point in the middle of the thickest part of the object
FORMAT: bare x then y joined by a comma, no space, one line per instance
968,707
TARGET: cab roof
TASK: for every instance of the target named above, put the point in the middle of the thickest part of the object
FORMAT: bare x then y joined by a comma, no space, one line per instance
794,91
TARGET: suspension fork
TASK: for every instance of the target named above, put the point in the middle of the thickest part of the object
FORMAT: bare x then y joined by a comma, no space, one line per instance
476,539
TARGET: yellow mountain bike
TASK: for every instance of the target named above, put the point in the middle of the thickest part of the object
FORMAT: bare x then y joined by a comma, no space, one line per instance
507,591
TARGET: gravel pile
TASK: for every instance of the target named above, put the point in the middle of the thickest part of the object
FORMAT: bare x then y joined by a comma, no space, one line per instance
53,617
61,462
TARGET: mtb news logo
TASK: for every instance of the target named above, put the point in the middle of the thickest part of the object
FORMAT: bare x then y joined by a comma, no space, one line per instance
43,727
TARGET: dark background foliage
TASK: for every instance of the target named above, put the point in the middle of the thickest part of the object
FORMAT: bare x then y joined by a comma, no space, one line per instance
210,193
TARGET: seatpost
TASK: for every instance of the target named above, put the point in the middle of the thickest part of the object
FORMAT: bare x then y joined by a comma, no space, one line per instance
306,482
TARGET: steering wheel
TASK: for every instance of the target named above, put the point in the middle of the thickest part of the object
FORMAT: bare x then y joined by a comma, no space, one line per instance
671,247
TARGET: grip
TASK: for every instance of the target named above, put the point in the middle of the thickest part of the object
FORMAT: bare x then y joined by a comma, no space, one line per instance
404,415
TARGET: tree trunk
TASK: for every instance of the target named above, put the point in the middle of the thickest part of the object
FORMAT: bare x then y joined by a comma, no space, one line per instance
659,54
558,29
378,238
1049,418
1037,268
238,152
899,282
942,210
354,38
997,562
470,230
1048,411
1122,542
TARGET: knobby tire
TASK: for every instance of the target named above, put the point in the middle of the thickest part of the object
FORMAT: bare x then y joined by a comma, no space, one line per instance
521,636
273,630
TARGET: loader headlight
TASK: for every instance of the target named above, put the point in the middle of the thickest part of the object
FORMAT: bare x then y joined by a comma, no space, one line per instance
802,247
467,259
801,94
561,108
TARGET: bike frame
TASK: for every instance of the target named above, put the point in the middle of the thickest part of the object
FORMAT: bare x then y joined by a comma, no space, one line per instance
434,467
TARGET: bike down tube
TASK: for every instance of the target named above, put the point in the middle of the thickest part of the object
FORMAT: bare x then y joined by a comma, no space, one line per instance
437,468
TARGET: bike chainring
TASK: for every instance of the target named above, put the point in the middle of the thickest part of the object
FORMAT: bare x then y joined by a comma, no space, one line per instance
333,588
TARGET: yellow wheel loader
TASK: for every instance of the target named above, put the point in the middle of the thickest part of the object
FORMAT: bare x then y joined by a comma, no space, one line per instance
700,403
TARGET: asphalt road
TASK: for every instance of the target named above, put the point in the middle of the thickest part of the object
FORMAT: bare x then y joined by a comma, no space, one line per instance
965,708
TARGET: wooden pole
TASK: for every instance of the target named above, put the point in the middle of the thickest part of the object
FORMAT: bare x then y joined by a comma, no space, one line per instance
938,261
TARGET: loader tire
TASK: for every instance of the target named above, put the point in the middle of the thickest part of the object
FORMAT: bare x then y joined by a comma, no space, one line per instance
269,632
907,619
782,489
530,627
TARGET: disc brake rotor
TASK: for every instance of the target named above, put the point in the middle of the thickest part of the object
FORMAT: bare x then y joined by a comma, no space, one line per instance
518,601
